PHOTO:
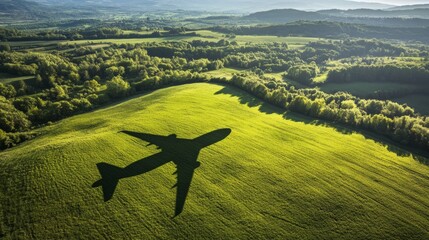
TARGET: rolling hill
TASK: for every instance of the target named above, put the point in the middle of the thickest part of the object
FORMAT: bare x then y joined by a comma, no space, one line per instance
221,5
326,29
371,13
409,7
402,18
21,9
12,11
274,177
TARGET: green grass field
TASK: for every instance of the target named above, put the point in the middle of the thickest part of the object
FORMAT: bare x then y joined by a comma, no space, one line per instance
229,72
273,177
362,89
224,72
293,42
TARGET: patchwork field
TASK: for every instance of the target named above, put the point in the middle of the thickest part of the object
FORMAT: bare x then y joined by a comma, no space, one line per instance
275,176
203,35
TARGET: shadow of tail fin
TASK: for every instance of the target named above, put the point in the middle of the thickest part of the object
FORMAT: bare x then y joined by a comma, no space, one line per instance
110,176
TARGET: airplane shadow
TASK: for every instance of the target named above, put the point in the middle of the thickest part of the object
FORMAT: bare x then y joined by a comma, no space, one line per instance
182,152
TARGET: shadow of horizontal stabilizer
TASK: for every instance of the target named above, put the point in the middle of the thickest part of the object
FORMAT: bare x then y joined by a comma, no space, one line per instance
110,176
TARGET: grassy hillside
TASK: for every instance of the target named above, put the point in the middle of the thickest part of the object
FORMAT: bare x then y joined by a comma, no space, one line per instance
273,177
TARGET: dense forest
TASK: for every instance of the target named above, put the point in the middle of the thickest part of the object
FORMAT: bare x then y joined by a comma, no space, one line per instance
75,79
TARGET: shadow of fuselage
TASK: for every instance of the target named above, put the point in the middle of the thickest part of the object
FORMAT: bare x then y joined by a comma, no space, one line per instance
182,152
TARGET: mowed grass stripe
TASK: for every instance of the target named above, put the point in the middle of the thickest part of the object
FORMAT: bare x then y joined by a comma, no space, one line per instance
270,178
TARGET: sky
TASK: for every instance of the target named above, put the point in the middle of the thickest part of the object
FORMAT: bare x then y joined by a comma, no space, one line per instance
398,2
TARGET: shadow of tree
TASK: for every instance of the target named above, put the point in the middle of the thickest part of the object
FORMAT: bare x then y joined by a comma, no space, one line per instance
399,150
249,100
182,152
264,107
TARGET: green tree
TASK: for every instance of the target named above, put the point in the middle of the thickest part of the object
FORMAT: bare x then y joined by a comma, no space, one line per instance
117,87
91,86
4,140
7,91
11,119
25,104
4,47
303,73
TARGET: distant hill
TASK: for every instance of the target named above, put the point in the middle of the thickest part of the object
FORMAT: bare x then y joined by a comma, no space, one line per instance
391,19
326,29
409,7
21,9
220,5
285,15
15,5
409,13
16,10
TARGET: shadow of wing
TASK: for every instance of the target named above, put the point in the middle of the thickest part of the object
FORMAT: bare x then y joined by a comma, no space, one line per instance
185,172
159,141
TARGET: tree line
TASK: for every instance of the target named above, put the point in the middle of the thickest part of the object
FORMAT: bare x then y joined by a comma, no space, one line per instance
7,34
395,121
396,73
78,80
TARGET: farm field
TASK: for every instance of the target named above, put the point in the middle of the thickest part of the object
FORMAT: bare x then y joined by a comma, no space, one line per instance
203,35
224,72
363,89
293,42
297,181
